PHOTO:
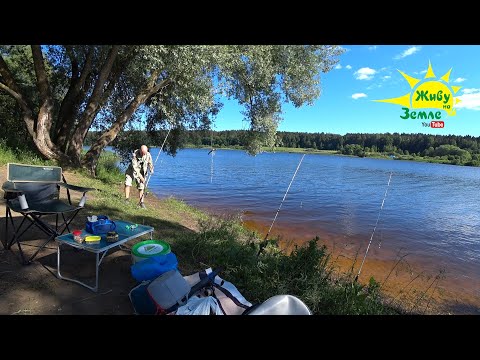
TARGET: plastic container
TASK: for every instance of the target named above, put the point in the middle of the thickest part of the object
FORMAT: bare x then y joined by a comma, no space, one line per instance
112,236
93,240
101,226
77,236
147,249
153,267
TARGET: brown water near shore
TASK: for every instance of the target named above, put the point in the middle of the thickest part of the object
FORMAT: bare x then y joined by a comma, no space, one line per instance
416,284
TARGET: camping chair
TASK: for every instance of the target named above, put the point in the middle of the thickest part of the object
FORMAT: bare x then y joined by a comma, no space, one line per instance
34,191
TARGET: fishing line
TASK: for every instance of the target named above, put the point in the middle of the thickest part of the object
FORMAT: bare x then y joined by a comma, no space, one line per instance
278,210
211,166
150,174
375,227
211,153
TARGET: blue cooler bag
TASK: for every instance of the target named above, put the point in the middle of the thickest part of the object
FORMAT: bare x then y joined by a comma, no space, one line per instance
154,266
102,226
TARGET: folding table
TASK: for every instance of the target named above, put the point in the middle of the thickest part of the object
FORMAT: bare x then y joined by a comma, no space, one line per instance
126,231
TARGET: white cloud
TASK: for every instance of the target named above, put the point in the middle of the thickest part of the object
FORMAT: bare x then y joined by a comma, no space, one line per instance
469,100
358,96
410,51
459,80
470,90
348,67
374,47
365,73
386,77
338,67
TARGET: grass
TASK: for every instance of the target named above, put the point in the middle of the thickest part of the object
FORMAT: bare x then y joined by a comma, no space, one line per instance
222,242
305,273
300,150
17,155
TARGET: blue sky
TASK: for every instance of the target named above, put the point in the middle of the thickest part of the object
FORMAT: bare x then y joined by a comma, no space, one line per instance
369,72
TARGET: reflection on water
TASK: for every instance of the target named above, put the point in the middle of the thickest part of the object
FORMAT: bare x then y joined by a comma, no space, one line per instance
431,210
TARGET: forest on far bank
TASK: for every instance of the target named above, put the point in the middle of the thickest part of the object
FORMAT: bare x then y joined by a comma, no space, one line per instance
450,149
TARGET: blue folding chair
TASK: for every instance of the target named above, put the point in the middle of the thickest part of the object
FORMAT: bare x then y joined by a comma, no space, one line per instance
34,192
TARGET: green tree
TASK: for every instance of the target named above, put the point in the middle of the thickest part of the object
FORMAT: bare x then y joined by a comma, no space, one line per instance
84,87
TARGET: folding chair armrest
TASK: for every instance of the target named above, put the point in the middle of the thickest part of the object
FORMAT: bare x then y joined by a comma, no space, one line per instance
11,192
75,188
9,187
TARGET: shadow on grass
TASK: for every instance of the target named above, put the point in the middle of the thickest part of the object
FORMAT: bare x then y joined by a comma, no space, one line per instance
161,227
35,289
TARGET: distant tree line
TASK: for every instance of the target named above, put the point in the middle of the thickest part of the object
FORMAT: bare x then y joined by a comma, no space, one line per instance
453,149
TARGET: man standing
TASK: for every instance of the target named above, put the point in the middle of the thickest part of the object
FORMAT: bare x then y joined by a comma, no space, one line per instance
141,161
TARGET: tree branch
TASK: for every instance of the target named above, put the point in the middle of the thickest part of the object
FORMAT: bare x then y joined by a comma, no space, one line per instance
108,136
72,99
44,118
73,61
40,72
102,78
12,88
7,76
94,103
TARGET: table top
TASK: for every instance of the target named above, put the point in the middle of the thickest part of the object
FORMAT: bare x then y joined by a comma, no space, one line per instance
124,234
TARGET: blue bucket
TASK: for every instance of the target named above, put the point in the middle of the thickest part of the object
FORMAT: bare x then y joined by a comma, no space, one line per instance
154,266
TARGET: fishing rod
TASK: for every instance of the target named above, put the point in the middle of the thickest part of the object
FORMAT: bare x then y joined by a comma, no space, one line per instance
211,165
262,246
375,227
158,155
212,153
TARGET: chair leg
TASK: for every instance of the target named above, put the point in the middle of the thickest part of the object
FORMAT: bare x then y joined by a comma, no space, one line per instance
34,220
21,253
47,230
66,222
16,236
40,248
6,229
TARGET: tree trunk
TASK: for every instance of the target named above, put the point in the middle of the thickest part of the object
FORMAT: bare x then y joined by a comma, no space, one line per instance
45,114
92,107
71,101
39,130
90,160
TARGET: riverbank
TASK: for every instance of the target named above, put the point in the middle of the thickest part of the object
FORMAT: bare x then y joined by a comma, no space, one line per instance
35,290
199,240
373,155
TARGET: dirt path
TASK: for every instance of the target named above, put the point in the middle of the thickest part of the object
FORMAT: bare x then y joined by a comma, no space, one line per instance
35,289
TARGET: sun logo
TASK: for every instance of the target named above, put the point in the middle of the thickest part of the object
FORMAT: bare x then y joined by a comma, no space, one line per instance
430,94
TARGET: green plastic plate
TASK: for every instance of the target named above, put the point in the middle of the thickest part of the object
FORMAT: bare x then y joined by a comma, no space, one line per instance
148,248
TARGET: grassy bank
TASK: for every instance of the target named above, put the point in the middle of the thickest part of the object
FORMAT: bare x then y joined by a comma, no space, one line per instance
373,155
200,240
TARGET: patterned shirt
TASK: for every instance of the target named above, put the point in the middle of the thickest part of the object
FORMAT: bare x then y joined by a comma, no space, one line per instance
139,164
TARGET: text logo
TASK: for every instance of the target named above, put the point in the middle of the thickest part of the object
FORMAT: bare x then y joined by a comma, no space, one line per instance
429,94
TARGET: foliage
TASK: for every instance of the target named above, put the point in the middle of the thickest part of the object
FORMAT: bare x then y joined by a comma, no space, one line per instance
62,91
10,113
353,149
305,273
450,149
128,142
19,155
108,171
